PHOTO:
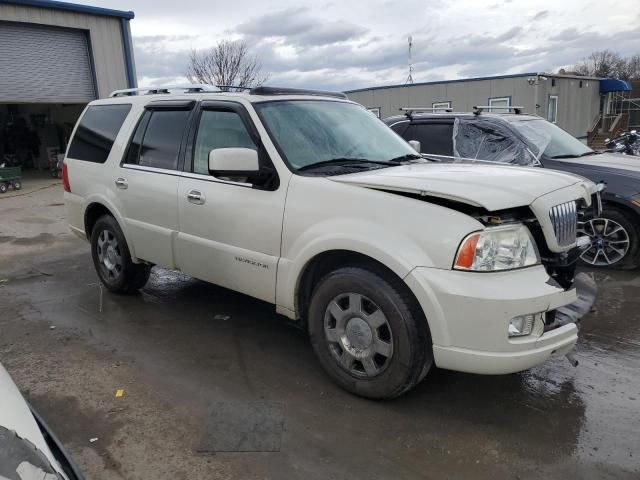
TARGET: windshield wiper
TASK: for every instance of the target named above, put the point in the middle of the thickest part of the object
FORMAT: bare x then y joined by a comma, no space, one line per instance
345,162
408,156
571,155
592,152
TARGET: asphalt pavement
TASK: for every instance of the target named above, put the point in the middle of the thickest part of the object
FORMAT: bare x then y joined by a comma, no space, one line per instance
188,380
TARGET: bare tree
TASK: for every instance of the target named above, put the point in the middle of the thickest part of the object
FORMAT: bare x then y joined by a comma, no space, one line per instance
608,64
228,63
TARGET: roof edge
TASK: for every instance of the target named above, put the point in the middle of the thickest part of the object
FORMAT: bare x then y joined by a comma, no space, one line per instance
72,7
472,79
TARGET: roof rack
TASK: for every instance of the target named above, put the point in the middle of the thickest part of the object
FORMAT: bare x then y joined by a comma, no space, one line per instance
294,91
193,88
226,88
478,109
409,110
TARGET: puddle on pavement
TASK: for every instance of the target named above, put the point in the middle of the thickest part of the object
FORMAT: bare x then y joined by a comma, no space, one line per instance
550,414
36,220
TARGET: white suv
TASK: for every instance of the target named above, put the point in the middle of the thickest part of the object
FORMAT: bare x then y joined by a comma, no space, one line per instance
305,200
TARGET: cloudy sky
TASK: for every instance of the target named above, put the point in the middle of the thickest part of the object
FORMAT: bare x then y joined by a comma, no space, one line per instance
357,43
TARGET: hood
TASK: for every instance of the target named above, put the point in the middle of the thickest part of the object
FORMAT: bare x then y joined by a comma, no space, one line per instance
617,161
493,187
18,459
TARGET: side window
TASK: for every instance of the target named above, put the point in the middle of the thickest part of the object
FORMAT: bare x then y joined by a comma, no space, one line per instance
434,138
133,154
218,129
400,127
96,132
157,139
162,139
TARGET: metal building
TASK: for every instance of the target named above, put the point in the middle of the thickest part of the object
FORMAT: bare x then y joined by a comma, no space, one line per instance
573,103
55,57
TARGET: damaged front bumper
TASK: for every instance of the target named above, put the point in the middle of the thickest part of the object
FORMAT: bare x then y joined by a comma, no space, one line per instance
469,315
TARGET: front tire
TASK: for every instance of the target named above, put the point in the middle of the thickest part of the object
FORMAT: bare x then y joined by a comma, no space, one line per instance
369,333
615,240
112,260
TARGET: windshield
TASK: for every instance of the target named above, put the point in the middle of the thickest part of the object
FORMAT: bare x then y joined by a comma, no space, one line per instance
309,132
561,144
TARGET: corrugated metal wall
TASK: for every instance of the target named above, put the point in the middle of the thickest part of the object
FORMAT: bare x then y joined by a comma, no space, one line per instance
577,107
44,64
104,33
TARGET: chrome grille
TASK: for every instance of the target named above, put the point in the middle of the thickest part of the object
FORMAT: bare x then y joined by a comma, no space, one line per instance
564,218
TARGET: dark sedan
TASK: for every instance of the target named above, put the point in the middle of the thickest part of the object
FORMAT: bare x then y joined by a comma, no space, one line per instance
532,141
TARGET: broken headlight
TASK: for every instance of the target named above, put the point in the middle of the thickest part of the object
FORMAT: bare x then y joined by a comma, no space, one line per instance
497,248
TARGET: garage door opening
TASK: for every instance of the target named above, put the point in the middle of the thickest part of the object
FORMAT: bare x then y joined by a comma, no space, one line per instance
35,136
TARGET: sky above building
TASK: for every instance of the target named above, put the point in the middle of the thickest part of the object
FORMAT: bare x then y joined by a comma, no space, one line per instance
359,43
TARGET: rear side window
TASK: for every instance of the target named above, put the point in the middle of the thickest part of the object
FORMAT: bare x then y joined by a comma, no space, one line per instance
96,132
434,138
157,139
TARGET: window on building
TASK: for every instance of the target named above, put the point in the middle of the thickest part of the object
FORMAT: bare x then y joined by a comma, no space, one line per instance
552,110
375,111
219,129
157,139
434,138
441,106
97,131
499,104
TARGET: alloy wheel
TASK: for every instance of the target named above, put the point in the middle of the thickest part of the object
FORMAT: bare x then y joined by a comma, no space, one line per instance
109,255
609,241
358,334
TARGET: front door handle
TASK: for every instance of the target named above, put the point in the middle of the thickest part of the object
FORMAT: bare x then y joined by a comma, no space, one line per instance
122,183
196,197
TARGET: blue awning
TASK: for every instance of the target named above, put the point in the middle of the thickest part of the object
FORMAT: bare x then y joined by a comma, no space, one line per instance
613,85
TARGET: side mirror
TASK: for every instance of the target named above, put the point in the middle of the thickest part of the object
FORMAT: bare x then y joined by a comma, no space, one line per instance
415,144
234,162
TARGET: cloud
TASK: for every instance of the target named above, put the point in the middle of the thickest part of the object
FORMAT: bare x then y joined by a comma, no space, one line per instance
540,15
363,43
297,27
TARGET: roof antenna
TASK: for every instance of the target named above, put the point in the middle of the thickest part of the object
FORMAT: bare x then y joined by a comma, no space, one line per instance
410,77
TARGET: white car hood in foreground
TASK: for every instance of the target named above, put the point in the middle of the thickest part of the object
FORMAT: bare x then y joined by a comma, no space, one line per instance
16,416
493,187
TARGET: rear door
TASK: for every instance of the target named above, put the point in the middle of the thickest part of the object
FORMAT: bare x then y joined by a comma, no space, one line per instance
148,177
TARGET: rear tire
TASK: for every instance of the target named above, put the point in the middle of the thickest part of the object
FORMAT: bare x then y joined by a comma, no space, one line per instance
3,188
615,240
112,260
369,333
17,185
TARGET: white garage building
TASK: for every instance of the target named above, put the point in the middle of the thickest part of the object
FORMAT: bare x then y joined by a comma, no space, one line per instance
55,57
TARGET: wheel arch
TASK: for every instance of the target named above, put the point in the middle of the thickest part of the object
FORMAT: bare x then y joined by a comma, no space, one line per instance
632,213
329,260
97,207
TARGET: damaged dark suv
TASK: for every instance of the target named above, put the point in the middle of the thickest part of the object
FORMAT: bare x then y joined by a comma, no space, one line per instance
529,140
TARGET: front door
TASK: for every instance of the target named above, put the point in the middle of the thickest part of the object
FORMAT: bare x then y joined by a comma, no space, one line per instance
229,232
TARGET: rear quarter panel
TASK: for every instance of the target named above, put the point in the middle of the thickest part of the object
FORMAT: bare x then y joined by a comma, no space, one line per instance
94,182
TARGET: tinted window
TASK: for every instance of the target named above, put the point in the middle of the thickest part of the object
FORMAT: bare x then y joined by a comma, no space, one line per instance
133,155
218,129
97,131
399,128
161,133
434,138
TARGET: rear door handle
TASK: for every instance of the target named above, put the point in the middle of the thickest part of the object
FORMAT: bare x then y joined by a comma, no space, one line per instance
196,197
122,183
